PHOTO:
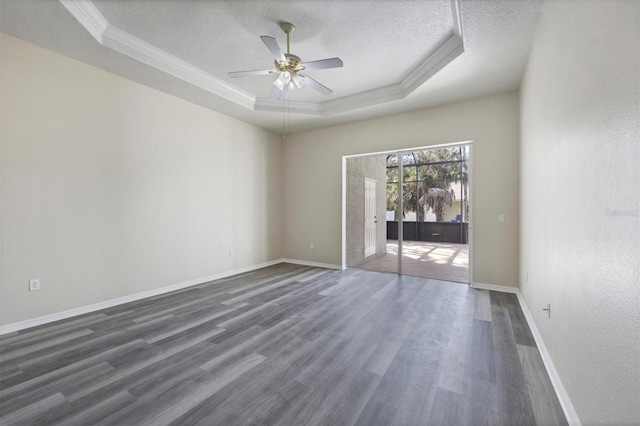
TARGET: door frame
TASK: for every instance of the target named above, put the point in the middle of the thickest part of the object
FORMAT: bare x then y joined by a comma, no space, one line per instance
400,152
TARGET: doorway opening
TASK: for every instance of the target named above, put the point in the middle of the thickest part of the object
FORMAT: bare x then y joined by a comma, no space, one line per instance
422,224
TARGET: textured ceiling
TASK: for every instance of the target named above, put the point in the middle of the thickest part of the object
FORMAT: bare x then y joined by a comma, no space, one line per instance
380,42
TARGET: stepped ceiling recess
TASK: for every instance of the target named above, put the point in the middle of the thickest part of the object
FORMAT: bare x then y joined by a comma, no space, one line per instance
398,55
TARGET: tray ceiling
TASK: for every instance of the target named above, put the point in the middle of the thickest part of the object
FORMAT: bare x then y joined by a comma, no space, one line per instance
393,52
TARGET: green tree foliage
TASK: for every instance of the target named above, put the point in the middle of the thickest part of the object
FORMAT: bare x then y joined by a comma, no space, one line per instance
436,199
428,178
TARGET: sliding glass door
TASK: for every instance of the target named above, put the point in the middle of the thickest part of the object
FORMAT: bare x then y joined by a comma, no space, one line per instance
409,212
428,201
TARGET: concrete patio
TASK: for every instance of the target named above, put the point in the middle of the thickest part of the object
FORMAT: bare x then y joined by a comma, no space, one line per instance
443,261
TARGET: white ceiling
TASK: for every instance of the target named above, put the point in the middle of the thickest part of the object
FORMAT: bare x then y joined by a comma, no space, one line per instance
398,55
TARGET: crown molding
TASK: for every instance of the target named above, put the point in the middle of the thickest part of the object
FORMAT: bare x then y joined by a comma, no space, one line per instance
88,15
123,42
456,18
120,41
116,39
447,52
444,54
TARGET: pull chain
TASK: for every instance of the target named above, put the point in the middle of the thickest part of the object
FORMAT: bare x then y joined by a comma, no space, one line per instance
284,136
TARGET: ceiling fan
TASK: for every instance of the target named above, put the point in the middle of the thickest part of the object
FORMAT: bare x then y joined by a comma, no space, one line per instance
289,67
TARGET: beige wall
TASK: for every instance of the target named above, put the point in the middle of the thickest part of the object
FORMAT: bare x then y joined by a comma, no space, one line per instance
110,188
580,194
312,183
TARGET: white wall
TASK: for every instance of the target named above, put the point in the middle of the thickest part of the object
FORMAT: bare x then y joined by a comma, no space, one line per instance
580,194
110,188
312,180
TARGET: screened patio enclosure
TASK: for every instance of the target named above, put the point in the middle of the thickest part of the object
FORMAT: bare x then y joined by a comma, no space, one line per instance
427,198
408,212
435,195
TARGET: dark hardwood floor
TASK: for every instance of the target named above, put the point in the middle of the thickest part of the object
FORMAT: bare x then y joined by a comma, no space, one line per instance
285,345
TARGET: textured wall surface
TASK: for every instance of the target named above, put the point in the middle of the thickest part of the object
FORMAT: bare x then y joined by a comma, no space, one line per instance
312,189
580,195
110,188
357,170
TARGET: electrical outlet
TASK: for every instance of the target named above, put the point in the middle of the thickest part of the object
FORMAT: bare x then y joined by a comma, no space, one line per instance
232,252
310,245
501,218
34,285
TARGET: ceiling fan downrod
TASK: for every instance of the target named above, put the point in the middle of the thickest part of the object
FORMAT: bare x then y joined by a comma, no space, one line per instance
288,28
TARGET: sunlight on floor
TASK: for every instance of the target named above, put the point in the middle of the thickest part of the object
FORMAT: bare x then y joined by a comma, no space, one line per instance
444,261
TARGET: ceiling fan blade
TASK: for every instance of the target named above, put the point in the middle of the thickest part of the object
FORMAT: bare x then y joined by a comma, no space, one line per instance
275,93
273,47
317,86
247,73
323,64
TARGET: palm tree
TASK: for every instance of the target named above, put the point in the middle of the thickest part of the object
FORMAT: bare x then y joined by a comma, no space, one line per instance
436,199
435,171
409,202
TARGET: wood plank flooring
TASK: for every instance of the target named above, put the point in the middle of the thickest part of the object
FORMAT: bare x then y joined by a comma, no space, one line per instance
285,345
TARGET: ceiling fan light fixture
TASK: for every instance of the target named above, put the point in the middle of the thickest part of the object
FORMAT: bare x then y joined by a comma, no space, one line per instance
283,79
278,83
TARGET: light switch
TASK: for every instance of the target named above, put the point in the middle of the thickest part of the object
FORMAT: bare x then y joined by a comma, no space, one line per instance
501,218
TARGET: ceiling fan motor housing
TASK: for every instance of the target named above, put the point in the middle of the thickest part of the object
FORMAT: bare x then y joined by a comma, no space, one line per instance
292,64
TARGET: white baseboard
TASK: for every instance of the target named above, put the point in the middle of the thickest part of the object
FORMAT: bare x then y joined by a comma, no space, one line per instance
316,264
33,322
563,397
494,287
565,402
